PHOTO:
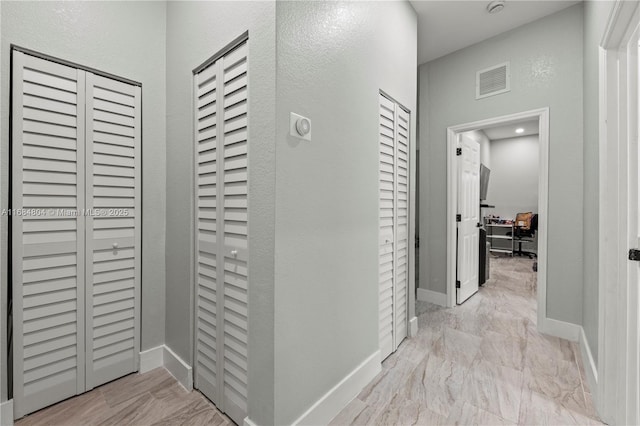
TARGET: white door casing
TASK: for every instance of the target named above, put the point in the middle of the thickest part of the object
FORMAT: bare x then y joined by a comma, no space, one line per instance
393,222
469,211
69,335
221,240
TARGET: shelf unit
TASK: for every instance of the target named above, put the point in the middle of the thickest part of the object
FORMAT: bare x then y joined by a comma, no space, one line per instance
503,229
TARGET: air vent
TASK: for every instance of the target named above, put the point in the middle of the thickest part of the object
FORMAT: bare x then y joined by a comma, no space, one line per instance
493,81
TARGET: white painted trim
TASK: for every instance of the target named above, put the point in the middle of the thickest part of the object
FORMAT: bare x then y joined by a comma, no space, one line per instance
589,364
248,422
163,356
178,368
331,403
543,200
6,413
151,359
564,330
413,327
425,295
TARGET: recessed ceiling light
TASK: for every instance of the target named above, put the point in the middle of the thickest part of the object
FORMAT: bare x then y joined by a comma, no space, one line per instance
495,6
519,130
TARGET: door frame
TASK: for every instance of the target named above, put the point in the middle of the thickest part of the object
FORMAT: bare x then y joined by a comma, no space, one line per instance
618,102
542,114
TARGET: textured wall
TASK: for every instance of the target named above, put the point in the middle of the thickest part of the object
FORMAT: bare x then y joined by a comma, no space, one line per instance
333,58
513,184
196,31
546,71
113,37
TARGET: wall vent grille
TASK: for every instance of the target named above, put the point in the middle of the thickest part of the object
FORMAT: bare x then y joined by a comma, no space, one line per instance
493,81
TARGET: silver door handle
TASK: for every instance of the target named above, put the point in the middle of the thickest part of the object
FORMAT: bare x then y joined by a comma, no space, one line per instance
115,246
234,253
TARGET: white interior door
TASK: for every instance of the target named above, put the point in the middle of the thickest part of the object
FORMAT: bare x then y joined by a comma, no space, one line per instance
47,248
113,234
401,282
469,211
393,225
222,305
632,361
76,237
387,226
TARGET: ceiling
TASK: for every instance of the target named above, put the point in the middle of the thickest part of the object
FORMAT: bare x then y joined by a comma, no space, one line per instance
504,131
445,26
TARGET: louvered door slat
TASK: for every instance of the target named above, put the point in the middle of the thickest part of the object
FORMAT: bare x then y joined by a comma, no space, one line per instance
222,231
113,233
47,248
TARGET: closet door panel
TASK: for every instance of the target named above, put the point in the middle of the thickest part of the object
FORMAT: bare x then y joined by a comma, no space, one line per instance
402,221
386,222
235,230
206,238
113,228
221,185
47,241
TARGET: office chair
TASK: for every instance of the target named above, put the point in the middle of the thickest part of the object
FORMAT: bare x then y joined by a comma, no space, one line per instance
525,234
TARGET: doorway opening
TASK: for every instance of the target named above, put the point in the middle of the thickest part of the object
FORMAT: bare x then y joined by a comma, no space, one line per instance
470,213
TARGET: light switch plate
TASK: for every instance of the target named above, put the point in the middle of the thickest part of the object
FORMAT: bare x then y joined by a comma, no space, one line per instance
293,131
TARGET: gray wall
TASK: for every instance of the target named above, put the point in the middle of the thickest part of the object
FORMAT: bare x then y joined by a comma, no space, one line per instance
195,31
596,14
513,184
546,70
113,37
333,57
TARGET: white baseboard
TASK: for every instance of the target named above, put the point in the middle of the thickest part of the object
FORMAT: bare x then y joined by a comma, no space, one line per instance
590,368
564,330
178,368
248,422
331,403
431,296
163,356
6,413
413,327
151,359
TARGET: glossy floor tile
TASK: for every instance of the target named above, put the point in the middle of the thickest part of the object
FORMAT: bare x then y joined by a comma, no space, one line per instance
483,362
152,398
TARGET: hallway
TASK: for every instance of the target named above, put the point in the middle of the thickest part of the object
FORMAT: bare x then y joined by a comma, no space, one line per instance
480,363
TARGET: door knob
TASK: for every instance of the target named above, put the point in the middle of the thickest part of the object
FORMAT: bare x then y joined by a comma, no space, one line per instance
115,246
234,253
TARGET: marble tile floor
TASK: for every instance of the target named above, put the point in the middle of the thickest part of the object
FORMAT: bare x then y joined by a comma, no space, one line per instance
482,362
152,398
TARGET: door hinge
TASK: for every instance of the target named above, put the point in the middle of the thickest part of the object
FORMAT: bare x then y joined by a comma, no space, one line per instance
458,151
457,284
458,218
417,242
634,254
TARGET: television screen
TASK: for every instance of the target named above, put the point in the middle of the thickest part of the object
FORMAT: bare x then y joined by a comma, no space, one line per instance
484,181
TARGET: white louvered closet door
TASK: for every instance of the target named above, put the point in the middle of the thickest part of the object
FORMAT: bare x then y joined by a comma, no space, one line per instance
113,229
401,315
47,248
221,97
76,240
393,225
387,225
